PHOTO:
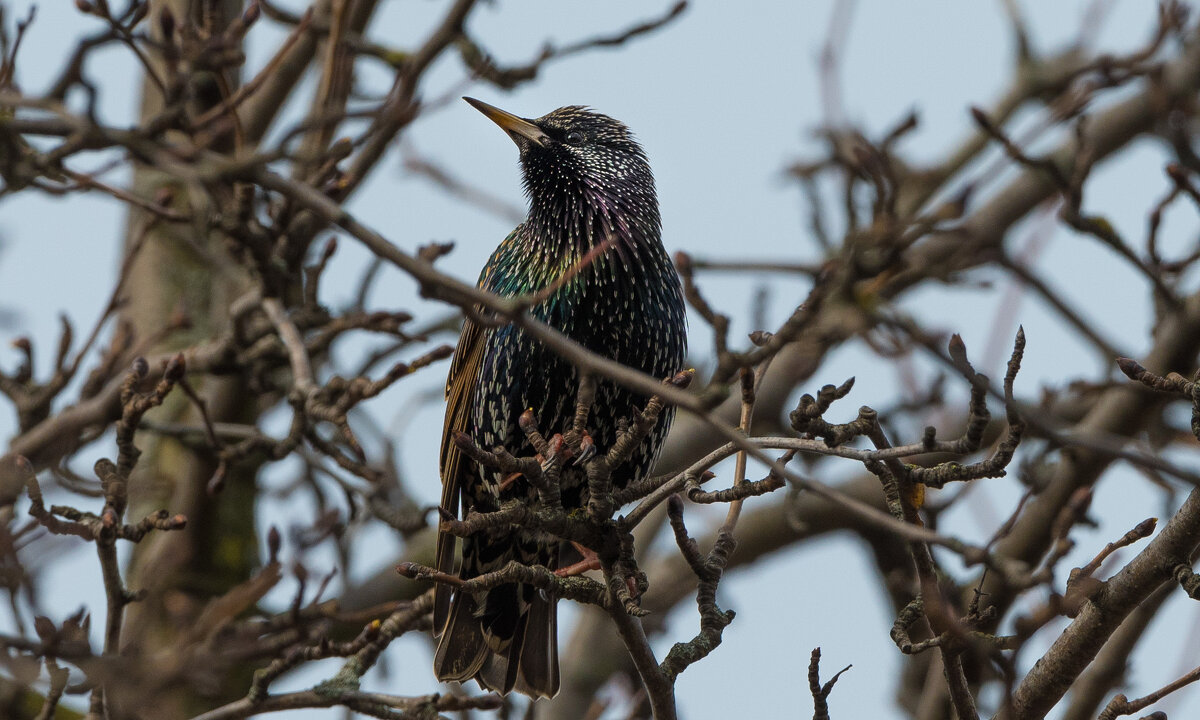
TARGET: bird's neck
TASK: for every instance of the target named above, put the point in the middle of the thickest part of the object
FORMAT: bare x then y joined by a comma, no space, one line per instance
573,223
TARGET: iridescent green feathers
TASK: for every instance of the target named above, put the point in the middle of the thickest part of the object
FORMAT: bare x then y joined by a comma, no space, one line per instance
592,245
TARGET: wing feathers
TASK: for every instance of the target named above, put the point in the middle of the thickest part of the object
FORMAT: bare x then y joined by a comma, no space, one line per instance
460,391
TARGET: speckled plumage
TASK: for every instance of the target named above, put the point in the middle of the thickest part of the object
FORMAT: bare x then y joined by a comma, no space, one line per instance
588,182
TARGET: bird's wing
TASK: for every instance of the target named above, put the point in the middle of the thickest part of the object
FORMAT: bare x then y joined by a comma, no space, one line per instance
454,465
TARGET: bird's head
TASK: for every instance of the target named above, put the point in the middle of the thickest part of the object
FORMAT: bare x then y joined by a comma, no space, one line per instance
574,151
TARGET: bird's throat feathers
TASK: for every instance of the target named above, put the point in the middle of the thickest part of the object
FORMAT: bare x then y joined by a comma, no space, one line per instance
571,216
593,212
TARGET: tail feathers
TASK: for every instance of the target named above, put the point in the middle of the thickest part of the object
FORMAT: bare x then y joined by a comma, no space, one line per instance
499,672
462,648
441,593
538,671
527,661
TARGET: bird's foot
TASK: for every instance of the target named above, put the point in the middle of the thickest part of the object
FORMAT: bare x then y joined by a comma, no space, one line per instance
556,451
632,585
507,482
590,561
587,449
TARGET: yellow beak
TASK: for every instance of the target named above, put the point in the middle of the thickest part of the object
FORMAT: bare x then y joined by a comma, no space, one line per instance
518,128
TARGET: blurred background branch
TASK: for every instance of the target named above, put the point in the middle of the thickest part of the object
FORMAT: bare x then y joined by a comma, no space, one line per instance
267,426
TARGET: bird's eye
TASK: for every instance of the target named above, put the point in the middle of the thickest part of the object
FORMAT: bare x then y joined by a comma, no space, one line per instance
574,137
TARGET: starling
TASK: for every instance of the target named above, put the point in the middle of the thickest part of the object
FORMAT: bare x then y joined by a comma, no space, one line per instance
590,190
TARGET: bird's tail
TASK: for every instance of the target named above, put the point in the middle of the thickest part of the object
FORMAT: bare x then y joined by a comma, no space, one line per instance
506,637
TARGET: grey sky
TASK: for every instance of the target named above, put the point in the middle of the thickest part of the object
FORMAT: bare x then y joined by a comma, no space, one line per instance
722,100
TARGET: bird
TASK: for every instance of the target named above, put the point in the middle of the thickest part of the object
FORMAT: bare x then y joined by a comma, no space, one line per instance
590,252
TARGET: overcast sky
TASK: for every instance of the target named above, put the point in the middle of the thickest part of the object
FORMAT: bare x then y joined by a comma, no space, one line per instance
722,100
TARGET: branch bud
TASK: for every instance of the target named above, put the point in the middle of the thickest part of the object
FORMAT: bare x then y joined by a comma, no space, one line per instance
176,367
140,367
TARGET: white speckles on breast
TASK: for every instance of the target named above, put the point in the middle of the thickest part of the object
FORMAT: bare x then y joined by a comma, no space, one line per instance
627,305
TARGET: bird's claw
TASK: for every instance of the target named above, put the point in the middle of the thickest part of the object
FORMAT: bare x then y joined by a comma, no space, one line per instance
556,450
587,449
